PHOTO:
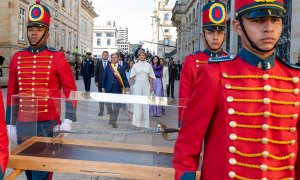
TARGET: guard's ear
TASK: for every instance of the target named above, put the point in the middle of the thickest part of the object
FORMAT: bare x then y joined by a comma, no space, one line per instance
237,27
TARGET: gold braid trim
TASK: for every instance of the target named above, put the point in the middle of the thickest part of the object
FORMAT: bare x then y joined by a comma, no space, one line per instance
261,127
33,57
258,77
35,84
261,89
244,178
262,101
31,106
35,78
34,112
259,167
279,158
267,140
29,62
36,67
34,72
262,114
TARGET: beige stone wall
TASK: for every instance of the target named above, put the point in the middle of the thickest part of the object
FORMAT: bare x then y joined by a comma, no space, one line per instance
295,32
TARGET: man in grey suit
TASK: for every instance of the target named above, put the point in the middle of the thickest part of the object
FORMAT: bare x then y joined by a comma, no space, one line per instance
99,71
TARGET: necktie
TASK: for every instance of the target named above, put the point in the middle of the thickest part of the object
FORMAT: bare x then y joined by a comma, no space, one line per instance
105,63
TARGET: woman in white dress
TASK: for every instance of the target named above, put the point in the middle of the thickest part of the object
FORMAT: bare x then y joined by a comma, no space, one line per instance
142,75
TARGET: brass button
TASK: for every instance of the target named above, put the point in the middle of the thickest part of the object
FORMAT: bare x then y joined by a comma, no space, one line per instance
49,67
46,110
293,142
265,140
296,104
264,167
33,78
232,149
20,83
232,161
292,155
33,67
296,91
295,116
295,80
19,67
19,57
19,72
266,76
265,127
232,174
51,57
33,72
291,167
267,88
293,129
233,137
232,124
19,62
227,86
264,179
34,56
265,154
229,99
267,114
34,62
225,75
231,111
266,101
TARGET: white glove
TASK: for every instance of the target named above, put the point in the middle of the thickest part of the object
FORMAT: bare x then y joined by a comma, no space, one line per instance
66,125
12,133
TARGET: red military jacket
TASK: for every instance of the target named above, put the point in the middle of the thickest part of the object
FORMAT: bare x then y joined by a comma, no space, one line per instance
188,76
3,139
38,75
248,118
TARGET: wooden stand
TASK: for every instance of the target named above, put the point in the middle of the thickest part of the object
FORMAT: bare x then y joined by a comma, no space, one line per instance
120,170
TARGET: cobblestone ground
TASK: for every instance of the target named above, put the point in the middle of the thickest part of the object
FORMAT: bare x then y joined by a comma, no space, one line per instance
88,120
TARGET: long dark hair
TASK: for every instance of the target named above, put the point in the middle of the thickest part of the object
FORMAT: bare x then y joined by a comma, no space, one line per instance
152,59
131,60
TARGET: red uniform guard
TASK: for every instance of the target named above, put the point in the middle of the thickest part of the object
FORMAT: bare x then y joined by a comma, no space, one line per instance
214,21
38,73
248,112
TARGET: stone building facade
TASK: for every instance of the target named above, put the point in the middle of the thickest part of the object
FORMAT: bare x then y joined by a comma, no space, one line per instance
186,16
65,28
164,34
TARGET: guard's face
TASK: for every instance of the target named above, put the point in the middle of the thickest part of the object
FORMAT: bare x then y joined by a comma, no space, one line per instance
114,59
105,56
214,39
264,32
36,36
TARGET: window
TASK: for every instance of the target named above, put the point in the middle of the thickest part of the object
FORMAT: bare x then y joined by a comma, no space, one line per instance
109,42
22,24
63,38
70,7
109,35
98,41
55,36
98,34
70,41
63,3
167,17
166,30
166,41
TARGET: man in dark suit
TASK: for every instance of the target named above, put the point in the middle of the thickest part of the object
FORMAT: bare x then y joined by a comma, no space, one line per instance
87,71
114,81
1,63
178,70
99,72
172,77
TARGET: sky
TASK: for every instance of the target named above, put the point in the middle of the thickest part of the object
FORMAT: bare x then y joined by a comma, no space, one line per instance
134,14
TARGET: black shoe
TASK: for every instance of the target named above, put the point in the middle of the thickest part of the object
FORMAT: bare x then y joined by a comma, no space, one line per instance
173,97
100,114
114,125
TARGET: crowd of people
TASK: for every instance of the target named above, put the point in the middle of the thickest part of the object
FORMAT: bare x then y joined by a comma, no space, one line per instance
144,75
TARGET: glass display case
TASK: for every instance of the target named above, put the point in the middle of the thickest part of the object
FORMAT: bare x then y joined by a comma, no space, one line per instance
133,138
